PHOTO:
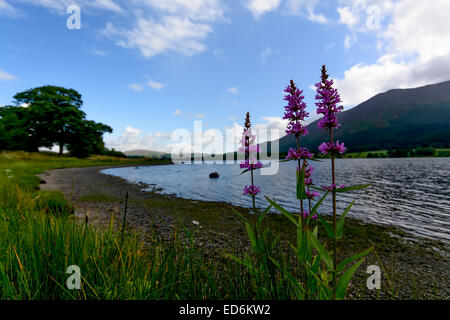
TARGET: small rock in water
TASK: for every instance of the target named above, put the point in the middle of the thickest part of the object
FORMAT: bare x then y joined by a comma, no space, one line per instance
214,175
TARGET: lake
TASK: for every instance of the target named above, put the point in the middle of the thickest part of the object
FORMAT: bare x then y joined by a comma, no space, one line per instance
410,193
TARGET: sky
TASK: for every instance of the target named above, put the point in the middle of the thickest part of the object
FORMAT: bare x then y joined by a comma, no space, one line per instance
149,67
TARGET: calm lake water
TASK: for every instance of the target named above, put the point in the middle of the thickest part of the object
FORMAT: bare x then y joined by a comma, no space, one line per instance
413,194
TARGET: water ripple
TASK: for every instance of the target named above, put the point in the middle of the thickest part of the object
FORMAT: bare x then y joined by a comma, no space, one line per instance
413,194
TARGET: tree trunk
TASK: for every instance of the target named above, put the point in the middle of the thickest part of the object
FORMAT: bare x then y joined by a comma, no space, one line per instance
61,148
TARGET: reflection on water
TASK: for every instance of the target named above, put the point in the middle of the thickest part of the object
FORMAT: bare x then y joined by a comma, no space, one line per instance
413,194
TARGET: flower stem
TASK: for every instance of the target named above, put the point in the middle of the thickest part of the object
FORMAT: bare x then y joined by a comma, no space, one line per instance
333,177
300,168
253,199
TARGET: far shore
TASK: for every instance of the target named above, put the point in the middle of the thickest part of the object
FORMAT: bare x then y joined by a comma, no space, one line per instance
417,267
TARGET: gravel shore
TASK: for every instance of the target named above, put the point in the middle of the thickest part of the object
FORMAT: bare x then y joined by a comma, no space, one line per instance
416,268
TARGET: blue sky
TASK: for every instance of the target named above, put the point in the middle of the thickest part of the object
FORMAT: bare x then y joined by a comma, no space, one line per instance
148,67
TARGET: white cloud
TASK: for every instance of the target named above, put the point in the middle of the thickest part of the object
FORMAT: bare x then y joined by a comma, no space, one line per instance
260,7
150,26
265,54
205,10
6,76
179,26
200,116
135,87
8,10
350,40
273,123
156,85
319,18
364,15
153,37
177,112
416,52
218,52
233,90
305,8
100,53
348,17
132,138
60,6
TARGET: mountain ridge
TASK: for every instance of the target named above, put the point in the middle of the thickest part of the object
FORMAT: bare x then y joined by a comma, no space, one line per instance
395,119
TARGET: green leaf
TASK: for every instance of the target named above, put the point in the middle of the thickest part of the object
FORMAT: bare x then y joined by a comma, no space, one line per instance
251,235
341,266
247,170
315,231
288,275
283,211
340,222
328,228
243,262
263,214
324,255
301,184
358,187
316,188
316,206
343,282
240,215
300,253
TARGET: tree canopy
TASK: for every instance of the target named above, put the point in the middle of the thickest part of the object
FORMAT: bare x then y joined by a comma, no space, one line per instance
48,116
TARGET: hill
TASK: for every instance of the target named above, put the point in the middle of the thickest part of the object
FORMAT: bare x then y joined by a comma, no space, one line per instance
396,119
146,153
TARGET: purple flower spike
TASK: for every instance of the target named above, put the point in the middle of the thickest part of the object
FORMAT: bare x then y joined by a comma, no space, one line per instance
295,111
251,159
306,215
252,190
332,187
311,194
302,153
332,148
327,102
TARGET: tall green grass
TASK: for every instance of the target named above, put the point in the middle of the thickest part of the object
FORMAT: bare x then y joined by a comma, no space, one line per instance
40,239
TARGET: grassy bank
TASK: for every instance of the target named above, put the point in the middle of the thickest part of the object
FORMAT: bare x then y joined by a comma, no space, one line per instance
403,153
400,153
40,239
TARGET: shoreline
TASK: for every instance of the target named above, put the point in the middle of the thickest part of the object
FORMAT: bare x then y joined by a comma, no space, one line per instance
418,268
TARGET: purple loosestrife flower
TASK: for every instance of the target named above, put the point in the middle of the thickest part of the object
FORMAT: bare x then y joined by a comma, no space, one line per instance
306,215
308,181
251,159
252,190
327,99
301,153
311,194
332,148
295,111
332,187
308,171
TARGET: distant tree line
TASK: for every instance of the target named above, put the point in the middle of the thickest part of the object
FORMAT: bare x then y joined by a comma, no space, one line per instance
48,116
403,153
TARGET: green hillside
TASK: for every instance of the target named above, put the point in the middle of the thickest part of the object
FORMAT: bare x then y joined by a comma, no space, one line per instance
397,119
